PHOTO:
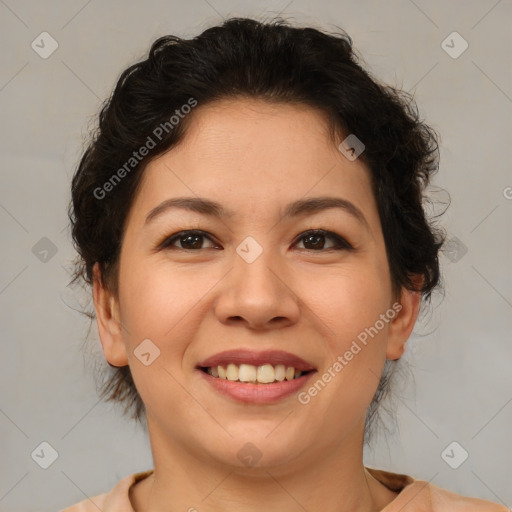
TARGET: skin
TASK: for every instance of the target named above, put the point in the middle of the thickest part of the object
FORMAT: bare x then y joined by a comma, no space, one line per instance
254,158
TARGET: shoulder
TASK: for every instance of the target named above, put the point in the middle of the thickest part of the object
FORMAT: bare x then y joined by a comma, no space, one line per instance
117,500
422,496
88,505
447,501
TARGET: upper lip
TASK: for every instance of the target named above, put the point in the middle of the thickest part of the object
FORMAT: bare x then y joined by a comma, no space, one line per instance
273,357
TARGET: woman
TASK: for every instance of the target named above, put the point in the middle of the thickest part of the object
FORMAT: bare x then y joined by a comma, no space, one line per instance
250,217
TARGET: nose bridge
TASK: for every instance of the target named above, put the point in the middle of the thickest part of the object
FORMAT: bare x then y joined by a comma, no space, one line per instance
256,290
253,267
254,277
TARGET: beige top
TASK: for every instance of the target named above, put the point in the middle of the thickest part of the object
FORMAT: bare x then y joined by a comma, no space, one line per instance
414,496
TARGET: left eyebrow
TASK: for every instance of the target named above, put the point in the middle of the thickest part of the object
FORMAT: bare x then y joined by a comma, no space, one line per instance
301,207
317,204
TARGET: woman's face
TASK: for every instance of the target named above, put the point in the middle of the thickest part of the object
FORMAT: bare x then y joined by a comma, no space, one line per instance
256,284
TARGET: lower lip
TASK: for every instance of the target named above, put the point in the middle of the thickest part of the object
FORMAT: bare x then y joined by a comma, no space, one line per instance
257,393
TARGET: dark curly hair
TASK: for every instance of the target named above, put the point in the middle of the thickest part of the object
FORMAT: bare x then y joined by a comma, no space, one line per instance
278,63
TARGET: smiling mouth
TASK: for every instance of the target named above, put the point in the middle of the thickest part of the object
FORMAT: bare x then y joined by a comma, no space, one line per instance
251,374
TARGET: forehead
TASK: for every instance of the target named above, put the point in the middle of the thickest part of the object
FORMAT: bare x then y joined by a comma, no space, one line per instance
257,128
251,154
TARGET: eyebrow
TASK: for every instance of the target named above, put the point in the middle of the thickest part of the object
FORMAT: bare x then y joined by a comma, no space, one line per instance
301,207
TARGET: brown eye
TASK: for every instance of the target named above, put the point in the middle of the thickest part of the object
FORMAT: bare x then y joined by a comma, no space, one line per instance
188,240
315,240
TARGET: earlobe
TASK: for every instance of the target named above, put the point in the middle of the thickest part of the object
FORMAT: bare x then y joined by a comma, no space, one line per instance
403,324
108,319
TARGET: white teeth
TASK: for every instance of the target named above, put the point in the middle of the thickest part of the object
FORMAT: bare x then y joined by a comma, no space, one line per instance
232,372
280,372
264,374
247,373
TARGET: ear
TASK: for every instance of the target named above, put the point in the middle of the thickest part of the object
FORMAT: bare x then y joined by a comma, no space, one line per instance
108,319
400,328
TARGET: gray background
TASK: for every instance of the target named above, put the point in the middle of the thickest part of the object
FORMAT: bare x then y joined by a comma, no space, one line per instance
460,355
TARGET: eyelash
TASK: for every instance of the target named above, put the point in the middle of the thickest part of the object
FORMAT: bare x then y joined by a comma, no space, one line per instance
340,242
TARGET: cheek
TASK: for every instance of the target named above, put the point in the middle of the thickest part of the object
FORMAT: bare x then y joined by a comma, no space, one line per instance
153,298
158,305
351,304
347,300
165,305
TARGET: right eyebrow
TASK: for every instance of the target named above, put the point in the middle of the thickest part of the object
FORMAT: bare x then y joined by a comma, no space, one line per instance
195,204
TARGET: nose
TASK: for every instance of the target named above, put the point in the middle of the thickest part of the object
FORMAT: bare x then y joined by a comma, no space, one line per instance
258,295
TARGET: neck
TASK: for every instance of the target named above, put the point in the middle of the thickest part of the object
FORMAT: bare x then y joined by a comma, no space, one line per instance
331,481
